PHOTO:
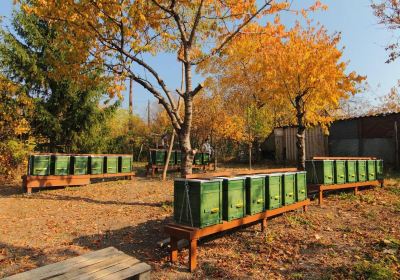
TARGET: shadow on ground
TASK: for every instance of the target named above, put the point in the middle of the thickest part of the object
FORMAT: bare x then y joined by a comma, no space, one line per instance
57,197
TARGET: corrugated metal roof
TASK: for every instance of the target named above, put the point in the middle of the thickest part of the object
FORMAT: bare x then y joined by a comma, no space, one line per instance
352,118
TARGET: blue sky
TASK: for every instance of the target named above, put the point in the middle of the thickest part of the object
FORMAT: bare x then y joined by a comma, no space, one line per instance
364,41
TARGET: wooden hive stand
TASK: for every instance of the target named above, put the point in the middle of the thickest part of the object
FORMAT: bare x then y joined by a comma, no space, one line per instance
108,263
178,232
321,188
30,182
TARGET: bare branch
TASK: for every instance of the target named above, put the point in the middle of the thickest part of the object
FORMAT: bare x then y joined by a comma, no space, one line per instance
195,23
196,90
234,33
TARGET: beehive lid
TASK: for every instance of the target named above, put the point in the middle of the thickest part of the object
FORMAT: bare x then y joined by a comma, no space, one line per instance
198,180
289,173
231,178
274,174
256,176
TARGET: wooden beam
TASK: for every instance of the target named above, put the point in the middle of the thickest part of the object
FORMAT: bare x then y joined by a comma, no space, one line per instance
239,173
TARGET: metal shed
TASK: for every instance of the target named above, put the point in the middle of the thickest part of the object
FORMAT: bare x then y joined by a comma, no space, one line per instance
376,135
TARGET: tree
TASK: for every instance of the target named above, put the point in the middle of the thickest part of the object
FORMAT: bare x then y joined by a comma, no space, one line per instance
305,70
15,140
115,34
236,79
298,71
388,14
66,111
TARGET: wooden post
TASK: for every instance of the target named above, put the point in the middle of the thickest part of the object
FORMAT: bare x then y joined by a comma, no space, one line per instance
193,255
171,145
320,197
356,191
396,148
148,113
174,249
263,224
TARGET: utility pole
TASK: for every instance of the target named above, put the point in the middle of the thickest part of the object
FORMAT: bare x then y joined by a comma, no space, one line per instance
148,113
130,96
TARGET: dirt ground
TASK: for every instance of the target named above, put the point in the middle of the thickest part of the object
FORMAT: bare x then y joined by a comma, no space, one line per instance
349,237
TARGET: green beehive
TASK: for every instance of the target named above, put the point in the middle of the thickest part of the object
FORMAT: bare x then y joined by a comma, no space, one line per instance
301,185
39,165
178,157
125,164
79,165
206,158
371,170
233,198
60,165
379,169
288,188
198,159
351,171
273,190
198,203
361,170
320,172
255,194
172,159
157,157
340,171
111,164
96,164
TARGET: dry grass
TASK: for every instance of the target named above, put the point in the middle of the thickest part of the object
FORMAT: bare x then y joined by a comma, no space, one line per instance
348,237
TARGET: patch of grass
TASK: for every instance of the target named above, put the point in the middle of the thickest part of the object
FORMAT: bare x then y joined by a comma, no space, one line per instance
372,271
394,190
397,206
347,196
298,220
167,205
209,269
371,215
296,276
346,229
368,198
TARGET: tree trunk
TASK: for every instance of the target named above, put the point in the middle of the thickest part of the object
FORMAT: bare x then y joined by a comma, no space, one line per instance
300,137
170,148
250,154
184,133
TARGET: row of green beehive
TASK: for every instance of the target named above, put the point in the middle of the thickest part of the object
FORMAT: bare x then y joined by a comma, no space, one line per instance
329,172
159,156
45,165
202,203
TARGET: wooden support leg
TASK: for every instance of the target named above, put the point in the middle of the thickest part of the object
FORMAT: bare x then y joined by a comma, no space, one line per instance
320,197
263,224
29,190
193,255
153,171
305,208
174,250
356,191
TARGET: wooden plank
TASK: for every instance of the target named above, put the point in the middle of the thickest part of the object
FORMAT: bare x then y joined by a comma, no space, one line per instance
85,270
140,271
65,266
193,234
110,270
349,185
185,232
239,173
343,158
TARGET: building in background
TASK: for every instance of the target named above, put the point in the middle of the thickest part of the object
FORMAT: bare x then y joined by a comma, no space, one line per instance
376,135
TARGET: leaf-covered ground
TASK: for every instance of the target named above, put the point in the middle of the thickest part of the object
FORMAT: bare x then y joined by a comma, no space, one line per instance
348,237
